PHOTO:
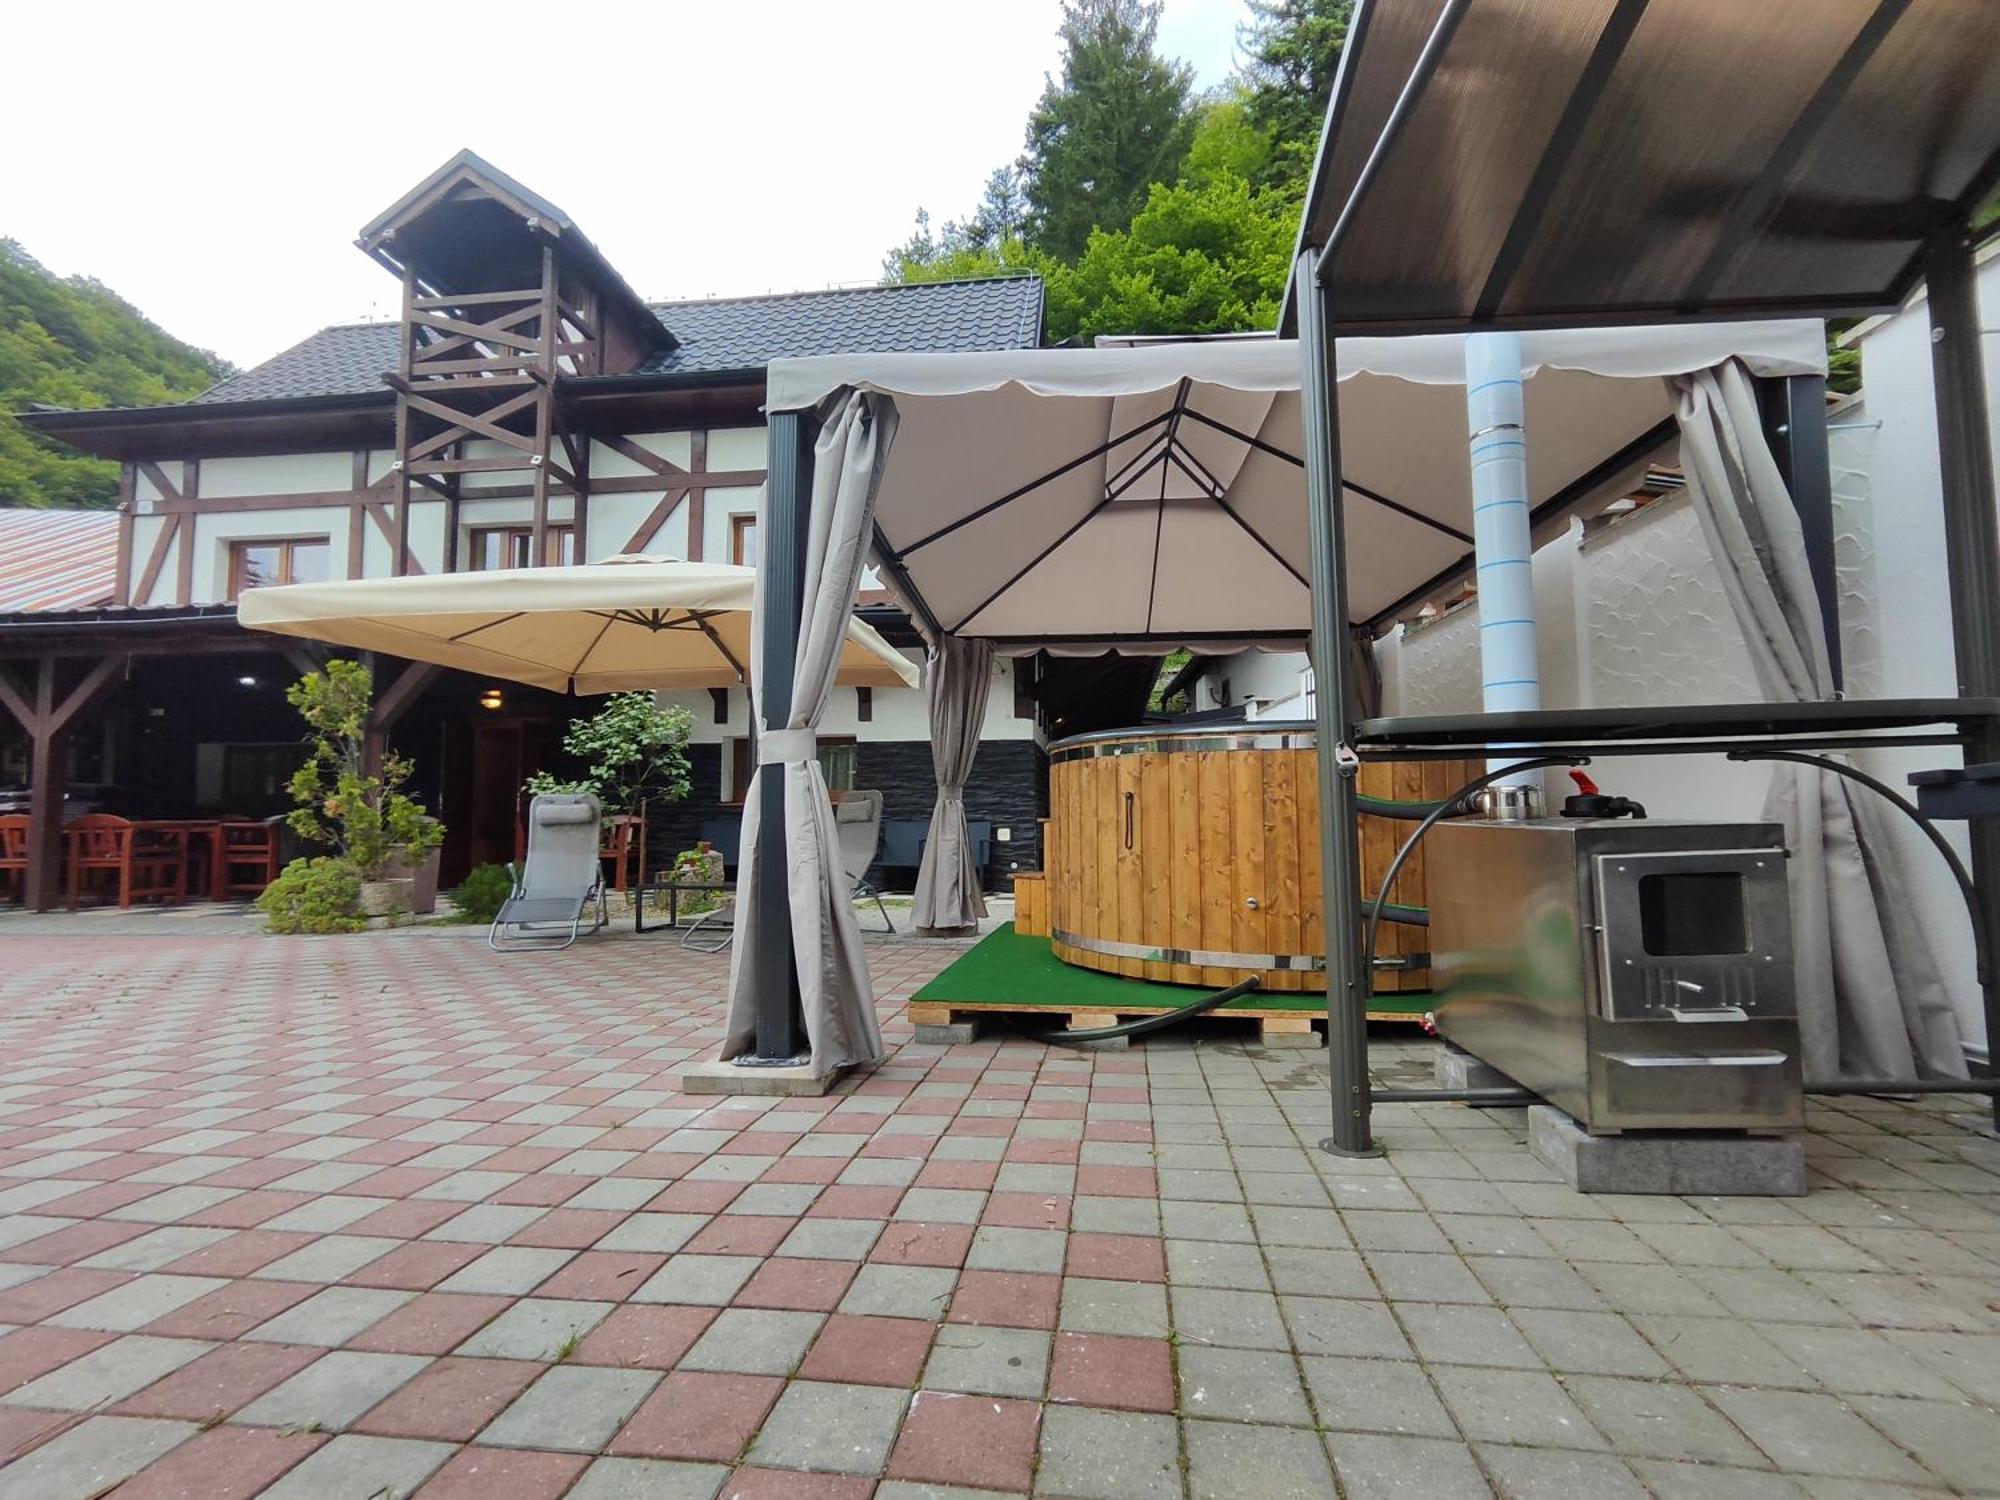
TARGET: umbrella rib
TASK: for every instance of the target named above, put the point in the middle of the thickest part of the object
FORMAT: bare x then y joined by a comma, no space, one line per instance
1360,489
609,621
1034,484
701,621
1160,514
486,625
1029,566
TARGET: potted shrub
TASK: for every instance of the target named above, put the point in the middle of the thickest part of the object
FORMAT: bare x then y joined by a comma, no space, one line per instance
631,753
379,832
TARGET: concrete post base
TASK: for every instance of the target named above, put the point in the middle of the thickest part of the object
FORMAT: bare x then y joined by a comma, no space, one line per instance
949,1034
1711,1162
713,1076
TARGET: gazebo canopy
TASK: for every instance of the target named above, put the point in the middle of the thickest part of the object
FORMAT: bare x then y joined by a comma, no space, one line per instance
1493,162
1151,496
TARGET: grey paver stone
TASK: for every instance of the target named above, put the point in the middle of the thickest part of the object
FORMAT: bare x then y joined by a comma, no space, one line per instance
992,1361
1451,1334
832,1239
1957,1440
900,1291
1093,1305
535,1328
1420,1276
998,1247
571,1407
1242,1385
942,1205
352,1467
660,1233
1090,1454
1597,1343
333,1390
1205,1221
1289,1463
1376,1395
648,1479
1337,1326
331,1317
1091,1215
108,1373
1809,1433
507,1270
704,1280
1549,1474
844,1429
1406,1468
91,1458
1514,1406
1659,1419
1216,1263
1237,1320
752,1341
127,1308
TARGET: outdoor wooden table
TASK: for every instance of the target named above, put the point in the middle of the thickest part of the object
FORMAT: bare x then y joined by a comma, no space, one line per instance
672,889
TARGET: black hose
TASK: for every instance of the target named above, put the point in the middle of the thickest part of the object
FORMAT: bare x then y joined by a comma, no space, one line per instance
1144,1025
1456,799
1389,807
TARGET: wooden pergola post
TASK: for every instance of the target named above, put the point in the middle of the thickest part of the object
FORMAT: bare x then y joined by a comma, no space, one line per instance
48,718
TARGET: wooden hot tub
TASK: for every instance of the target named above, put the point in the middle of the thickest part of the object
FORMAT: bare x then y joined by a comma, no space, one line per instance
1191,856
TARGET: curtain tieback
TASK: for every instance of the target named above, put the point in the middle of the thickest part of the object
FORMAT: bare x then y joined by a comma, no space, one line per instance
788,747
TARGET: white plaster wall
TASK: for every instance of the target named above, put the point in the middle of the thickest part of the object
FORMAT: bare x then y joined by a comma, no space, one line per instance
718,514
276,474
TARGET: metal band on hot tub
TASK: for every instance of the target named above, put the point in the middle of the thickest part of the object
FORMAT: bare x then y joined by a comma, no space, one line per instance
1206,958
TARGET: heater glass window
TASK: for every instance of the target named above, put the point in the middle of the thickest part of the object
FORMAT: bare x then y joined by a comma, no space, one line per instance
1684,915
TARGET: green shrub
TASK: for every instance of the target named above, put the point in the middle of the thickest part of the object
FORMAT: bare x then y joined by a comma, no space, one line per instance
316,895
480,897
702,864
364,816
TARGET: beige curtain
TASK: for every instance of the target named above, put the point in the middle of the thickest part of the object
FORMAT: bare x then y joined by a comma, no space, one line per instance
838,999
960,674
1872,1003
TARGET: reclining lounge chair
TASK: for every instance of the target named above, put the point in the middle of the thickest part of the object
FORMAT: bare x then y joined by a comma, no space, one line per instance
560,879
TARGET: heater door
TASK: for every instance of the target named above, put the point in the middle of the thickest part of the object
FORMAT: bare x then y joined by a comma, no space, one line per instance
1695,935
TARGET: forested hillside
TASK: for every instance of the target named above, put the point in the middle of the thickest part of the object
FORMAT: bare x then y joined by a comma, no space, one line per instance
74,342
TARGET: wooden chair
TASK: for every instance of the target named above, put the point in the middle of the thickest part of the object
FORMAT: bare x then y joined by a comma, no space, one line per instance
148,862
14,856
623,849
249,859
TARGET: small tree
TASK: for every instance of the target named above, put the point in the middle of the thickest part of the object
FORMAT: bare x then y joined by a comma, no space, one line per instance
634,751
367,818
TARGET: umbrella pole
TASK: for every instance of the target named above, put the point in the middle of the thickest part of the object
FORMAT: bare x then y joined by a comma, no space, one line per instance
781,1032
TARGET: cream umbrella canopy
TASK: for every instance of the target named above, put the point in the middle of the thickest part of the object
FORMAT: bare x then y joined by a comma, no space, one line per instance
603,627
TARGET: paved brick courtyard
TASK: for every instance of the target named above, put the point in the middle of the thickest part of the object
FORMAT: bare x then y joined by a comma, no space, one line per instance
381,1216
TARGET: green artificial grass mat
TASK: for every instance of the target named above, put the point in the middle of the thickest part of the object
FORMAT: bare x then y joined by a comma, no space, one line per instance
1005,968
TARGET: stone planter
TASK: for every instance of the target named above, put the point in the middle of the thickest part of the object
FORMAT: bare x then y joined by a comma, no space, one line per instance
388,897
422,875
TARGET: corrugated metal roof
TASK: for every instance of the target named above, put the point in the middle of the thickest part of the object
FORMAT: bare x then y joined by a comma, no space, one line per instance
57,559
716,335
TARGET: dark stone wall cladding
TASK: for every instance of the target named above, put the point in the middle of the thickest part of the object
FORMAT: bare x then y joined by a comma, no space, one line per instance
1009,788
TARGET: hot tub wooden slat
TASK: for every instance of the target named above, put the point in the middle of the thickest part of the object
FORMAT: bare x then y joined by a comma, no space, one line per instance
1215,849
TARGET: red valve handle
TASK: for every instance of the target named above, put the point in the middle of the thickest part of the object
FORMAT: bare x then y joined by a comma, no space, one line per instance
1583,783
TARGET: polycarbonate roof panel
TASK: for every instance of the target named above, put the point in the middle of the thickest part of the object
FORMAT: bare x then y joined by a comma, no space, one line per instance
1578,161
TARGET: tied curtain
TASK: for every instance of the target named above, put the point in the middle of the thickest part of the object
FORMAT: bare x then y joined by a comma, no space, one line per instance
838,1000
1872,1003
948,894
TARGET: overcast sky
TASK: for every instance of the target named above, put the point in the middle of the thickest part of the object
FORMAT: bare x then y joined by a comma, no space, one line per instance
211,162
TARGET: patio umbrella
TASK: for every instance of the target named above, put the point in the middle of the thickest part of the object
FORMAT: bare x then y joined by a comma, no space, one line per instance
603,627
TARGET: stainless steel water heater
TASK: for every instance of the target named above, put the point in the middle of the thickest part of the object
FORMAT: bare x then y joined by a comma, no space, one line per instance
1638,975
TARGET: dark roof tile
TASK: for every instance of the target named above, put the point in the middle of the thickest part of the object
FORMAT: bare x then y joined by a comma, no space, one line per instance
716,335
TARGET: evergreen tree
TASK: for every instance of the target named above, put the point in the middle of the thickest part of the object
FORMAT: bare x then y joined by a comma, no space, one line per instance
1290,52
1115,123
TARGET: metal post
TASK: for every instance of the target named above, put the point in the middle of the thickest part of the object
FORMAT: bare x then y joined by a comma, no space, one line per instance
1972,549
1794,412
781,555
1347,982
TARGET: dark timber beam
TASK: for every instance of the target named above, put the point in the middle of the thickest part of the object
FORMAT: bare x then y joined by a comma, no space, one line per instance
47,715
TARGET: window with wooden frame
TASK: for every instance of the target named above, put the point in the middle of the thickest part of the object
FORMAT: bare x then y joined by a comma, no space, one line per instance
514,547
298,559
836,763
743,540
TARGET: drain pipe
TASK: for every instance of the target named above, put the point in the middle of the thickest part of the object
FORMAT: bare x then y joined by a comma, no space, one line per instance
1510,677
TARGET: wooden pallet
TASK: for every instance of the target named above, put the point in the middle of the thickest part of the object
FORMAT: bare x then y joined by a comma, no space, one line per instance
1276,1028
